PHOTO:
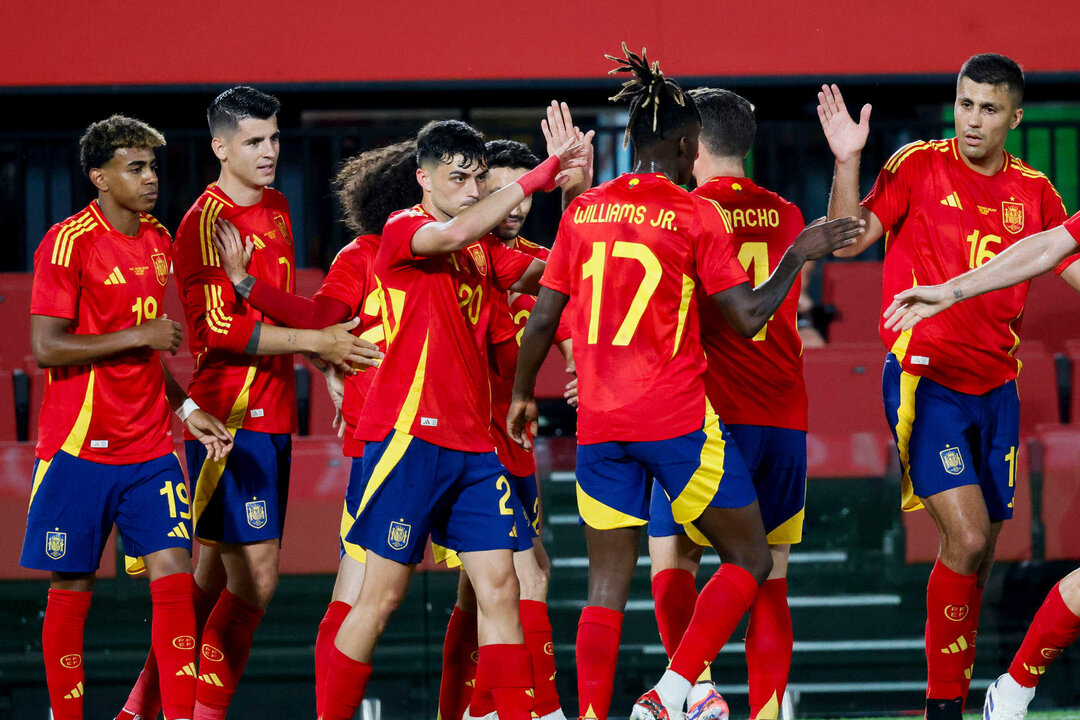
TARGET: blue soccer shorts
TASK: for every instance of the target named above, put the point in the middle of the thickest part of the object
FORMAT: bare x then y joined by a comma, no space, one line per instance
354,493
947,439
697,470
242,498
776,459
74,504
465,501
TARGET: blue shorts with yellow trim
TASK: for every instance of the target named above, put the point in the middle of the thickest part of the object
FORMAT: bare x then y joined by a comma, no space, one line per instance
947,439
700,469
241,499
354,493
75,503
465,501
776,459
528,494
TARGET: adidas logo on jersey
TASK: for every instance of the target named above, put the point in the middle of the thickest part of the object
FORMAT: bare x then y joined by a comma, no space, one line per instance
115,277
953,201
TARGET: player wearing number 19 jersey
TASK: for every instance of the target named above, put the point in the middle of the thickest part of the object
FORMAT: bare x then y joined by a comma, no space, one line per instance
949,385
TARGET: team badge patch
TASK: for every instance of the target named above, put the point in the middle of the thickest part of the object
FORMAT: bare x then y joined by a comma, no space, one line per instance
952,460
398,537
1012,216
56,544
71,661
479,259
161,267
1050,653
283,227
256,513
956,613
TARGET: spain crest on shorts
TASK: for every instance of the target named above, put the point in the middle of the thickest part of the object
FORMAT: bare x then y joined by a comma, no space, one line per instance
56,544
398,537
952,460
479,259
161,267
256,513
283,227
1012,216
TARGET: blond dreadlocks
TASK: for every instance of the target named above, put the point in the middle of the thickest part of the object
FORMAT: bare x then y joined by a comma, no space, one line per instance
648,87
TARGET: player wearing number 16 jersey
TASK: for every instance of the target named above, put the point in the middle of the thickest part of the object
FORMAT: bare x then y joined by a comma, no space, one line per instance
632,253
949,385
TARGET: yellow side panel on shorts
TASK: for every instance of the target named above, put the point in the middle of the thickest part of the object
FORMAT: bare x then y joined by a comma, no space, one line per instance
77,437
602,517
42,468
905,419
788,532
445,555
209,476
395,450
702,487
353,550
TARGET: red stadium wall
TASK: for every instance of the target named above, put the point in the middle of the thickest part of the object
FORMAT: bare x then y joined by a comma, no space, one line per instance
120,42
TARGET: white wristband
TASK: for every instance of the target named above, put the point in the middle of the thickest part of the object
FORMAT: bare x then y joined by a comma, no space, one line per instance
186,409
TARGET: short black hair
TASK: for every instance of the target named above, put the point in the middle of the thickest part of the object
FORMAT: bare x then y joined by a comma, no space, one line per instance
376,183
441,141
236,104
727,121
658,106
994,69
102,139
510,154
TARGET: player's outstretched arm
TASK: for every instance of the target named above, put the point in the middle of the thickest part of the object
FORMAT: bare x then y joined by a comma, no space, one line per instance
1031,257
535,342
558,127
53,346
748,309
335,344
206,428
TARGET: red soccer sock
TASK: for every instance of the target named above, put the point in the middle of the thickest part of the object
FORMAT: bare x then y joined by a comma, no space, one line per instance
722,603
674,594
948,631
324,647
1054,628
346,683
459,658
226,643
145,696
173,640
769,640
976,609
508,669
596,652
62,648
537,628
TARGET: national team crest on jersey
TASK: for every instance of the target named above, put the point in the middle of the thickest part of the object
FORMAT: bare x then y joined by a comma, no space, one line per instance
283,227
56,544
256,513
952,460
398,537
1012,216
161,267
479,259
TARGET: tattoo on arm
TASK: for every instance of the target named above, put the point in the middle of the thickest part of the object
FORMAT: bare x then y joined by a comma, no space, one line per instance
253,343
958,294
243,288
292,337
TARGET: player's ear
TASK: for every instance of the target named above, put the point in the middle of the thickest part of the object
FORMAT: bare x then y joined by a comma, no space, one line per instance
220,149
1018,115
424,178
97,177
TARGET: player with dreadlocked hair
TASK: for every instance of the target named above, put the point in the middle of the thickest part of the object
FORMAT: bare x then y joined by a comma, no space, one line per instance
369,187
631,253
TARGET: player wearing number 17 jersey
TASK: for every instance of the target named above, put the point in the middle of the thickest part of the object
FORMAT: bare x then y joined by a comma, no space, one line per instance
949,385
632,254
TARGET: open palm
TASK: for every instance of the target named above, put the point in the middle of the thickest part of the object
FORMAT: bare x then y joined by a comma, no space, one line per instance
846,137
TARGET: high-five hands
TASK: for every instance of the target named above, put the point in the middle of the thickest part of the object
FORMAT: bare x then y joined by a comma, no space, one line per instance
909,307
558,128
821,238
846,137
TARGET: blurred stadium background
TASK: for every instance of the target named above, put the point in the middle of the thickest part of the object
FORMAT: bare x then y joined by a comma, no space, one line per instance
352,75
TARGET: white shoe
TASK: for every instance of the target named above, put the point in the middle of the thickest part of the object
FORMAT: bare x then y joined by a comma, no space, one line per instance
490,716
705,703
554,715
1006,699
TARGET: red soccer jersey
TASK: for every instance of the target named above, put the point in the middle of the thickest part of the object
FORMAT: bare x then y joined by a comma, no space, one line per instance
630,254
756,381
243,391
1073,226
436,314
351,280
941,219
113,411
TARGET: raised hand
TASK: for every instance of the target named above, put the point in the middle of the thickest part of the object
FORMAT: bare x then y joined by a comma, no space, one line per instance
211,432
235,252
559,127
161,334
821,238
846,137
522,414
911,306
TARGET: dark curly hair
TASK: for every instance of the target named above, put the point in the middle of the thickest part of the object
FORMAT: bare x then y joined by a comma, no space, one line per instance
376,183
510,154
440,141
102,139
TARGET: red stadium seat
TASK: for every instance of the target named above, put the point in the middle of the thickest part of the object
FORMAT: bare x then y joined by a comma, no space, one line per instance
321,420
1051,314
38,380
1061,490
1072,352
7,407
174,308
853,289
1037,387
15,289
320,474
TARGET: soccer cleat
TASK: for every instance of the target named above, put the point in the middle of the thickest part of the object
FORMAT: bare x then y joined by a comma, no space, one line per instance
1006,700
650,707
944,709
490,716
710,707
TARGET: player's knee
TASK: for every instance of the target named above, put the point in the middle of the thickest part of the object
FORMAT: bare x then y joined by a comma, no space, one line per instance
264,581
755,560
501,590
969,546
534,581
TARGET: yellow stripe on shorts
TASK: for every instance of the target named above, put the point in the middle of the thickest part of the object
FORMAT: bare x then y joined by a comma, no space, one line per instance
353,550
905,419
600,516
705,482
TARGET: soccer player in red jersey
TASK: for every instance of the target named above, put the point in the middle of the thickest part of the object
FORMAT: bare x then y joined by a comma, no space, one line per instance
1057,623
756,386
369,188
105,450
631,254
949,385
429,464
